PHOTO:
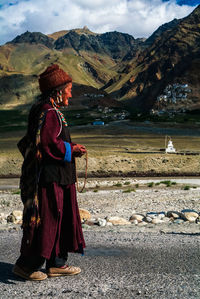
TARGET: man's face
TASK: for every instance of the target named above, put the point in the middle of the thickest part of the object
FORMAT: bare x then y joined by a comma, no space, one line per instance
67,93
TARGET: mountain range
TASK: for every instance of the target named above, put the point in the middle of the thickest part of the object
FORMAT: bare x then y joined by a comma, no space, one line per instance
135,72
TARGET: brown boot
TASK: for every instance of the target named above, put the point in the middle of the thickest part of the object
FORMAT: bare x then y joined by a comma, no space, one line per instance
65,270
28,275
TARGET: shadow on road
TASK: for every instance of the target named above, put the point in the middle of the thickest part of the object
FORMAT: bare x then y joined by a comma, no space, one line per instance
183,234
6,275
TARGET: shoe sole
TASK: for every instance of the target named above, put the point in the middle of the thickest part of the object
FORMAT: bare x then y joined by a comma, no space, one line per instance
26,277
62,274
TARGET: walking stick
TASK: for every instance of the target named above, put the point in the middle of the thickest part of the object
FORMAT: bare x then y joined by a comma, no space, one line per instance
85,179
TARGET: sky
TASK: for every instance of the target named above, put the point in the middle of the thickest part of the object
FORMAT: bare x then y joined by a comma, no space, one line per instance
140,18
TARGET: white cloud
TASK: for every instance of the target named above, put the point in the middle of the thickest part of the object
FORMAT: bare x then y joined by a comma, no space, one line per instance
136,17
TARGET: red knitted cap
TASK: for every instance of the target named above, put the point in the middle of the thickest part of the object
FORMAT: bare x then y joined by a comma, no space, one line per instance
53,77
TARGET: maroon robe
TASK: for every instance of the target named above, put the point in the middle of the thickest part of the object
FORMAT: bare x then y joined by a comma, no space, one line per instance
60,229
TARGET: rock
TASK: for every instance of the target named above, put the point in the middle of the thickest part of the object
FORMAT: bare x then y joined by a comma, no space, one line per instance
152,214
156,221
148,219
161,215
17,214
134,222
138,217
143,223
84,214
101,222
173,214
2,217
165,219
91,222
115,220
85,226
11,218
189,210
189,215
178,221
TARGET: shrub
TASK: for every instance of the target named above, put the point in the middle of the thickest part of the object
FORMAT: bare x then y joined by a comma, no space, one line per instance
126,183
128,190
118,185
150,184
186,187
167,183
16,192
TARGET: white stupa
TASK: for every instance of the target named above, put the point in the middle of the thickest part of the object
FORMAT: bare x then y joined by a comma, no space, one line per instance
170,148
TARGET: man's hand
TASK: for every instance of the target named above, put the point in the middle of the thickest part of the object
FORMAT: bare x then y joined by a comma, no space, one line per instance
78,150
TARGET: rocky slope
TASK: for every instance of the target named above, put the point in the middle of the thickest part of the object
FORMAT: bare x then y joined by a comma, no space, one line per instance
171,57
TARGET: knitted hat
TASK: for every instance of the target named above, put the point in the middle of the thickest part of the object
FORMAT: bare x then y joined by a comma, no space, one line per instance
53,77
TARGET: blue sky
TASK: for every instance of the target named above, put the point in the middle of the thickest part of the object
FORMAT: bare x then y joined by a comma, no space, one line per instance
139,18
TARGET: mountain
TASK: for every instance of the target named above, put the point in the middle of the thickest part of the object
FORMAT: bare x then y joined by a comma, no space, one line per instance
160,31
91,59
33,38
136,72
171,57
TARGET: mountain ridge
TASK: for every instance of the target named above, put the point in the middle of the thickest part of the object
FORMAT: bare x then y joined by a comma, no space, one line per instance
133,70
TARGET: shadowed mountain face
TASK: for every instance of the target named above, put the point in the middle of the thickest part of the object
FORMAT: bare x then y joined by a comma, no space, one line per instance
34,38
91,59
137,70
171,57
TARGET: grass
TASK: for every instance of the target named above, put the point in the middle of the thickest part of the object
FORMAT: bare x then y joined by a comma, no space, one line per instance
150,185
117,185
167,183
126,183
129,190
186,188
16,192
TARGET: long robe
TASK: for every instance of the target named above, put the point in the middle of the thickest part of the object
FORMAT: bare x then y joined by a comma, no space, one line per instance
60,229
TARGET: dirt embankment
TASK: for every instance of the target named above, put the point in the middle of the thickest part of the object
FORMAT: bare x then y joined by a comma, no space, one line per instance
118,165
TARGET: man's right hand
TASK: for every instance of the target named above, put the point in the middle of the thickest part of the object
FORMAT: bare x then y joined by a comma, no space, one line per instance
78,150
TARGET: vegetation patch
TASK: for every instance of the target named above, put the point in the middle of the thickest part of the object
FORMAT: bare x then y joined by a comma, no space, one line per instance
117,185
186,187
167,183
16,192
129,190
126,183
150,184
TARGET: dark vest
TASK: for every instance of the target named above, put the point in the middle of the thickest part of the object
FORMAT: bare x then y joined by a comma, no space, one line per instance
61,172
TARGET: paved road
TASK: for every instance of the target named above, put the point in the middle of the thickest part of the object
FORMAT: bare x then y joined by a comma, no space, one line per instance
117,264
13,183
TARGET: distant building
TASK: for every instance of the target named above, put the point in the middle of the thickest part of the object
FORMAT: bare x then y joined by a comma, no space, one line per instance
170,148
98,123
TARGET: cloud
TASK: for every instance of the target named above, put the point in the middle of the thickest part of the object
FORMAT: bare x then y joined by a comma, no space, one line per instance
136,17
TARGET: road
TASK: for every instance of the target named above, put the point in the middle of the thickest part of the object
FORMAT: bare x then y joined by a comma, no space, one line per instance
116,264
